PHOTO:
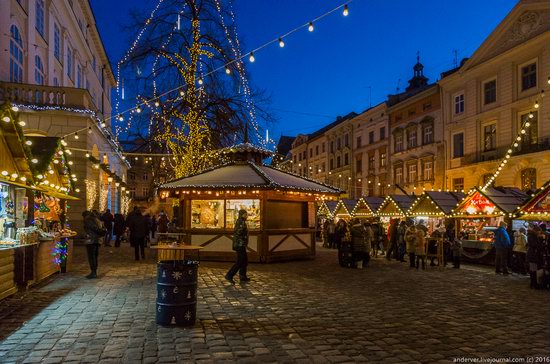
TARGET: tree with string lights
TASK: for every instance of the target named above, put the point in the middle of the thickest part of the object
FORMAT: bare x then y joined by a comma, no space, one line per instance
186,71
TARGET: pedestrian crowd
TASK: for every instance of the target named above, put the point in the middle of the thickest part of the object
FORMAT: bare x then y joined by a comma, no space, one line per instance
528,252
136,228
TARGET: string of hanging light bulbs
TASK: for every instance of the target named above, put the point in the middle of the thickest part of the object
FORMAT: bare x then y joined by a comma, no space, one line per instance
225,67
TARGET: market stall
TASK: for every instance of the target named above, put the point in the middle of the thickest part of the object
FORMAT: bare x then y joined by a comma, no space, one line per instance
344,208
280,205
326,209
537,208
366,207
479,215
394,207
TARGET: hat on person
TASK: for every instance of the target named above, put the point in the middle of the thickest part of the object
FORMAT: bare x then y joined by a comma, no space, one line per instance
242,212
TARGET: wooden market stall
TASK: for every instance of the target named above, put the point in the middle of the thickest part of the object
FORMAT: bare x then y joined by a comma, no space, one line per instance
395,207
537,208
280,205
326,209
344,208
366,207
479,215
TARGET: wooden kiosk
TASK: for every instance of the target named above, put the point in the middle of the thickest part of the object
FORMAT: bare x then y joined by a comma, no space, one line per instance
537,208
344,209
366,207
280,205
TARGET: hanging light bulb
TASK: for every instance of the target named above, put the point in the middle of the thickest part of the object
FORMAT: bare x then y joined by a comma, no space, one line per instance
87,155
14,175
103,124
310,27
22,123
89,130
34,160
537,104
138,109
227,70
6,119
16,109
76,135
120,118
182,93
5,173
77,190
157,104
516,145
531,115
200,81
527,124
251,58
549,80
28,142
281,43
346,10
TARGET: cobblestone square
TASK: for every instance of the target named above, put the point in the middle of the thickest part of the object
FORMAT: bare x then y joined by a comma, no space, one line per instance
304,312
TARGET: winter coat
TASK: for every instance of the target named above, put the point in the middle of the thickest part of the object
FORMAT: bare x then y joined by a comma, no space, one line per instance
502,239
410,240
535,248
420,248
520,245
119,224
240,235
107,219
139,227
358,237
401,231
369,237
394,232
94,228
163,223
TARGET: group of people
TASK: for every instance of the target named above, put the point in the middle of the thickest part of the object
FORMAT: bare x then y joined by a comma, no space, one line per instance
527,252
138,228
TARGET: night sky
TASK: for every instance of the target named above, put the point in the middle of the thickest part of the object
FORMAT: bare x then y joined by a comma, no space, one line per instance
333,70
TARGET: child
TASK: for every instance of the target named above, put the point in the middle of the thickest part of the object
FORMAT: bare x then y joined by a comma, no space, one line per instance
456,247
420,248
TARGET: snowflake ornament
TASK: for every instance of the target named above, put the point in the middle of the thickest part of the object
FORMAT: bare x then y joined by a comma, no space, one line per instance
177,275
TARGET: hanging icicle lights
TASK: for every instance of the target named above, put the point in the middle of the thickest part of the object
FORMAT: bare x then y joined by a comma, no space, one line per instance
235,62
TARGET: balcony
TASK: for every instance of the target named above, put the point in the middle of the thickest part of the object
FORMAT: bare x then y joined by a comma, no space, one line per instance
39,95
542,144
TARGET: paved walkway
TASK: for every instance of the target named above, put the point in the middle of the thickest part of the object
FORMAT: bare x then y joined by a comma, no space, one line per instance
307,311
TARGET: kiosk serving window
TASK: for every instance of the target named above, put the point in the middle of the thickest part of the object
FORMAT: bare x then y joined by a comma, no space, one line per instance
252,207
207,214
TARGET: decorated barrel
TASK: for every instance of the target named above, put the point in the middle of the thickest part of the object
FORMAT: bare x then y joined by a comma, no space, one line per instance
177,292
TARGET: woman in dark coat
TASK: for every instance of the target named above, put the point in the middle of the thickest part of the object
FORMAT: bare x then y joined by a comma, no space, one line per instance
118,229
535,247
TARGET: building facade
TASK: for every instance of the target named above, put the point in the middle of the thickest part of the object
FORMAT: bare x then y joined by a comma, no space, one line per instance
371,136
493,96
56,70
341,171
416,143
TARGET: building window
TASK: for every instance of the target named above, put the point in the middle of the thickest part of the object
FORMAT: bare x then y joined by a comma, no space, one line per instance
399,142
427,106
38,71
371,137
332,147
459,104
346,140
411,142
323,147
16,55
358,142
145,176
295,159
371,163
383,133
310,152
338,144
78,76
358,165
40,17
427,134
411,173
428,172
144,191
383,159
398,175
458,145
531,132
338,162
489,92
332,164
489,137
458,184
94,64
529,179
57,42
70,66
346,159
323,167
55,82
529,76
316,150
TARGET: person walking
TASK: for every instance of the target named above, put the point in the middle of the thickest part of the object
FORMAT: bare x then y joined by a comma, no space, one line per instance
118,228
401,244
107,218
502,244
410,241
520,251
240,243
394,238
139,230
331,234
358,243
94,231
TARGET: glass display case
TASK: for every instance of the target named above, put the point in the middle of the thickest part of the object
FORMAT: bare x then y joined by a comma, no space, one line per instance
207,214
252,207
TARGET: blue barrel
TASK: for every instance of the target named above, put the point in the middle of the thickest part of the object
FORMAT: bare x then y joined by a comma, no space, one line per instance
177,292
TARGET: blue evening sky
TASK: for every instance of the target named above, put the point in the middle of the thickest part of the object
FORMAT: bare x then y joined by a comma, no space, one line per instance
333,70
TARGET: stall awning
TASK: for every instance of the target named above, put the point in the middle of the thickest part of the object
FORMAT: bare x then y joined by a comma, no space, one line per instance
17,184
491,202
367,206
345,207
327,208
436,204
396,206
538,206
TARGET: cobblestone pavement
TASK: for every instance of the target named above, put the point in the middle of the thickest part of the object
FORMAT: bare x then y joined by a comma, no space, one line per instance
307,311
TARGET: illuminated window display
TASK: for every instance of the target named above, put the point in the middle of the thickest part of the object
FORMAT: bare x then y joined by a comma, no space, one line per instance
207,214
252,207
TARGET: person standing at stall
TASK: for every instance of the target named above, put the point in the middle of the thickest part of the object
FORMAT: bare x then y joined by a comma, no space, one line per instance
502,244
535,251
240,243
118,228
94,231
331,233
107,218
410,240
358,243
520,250
394,238
420,249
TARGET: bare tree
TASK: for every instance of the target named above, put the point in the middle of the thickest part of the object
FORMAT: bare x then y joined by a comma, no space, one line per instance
188,74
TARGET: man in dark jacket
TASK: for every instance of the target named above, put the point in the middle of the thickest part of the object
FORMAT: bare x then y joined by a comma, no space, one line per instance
107,218
118,228
139,230
502,244
94,230
394,239
240,243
